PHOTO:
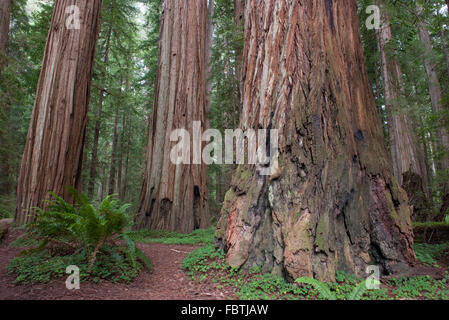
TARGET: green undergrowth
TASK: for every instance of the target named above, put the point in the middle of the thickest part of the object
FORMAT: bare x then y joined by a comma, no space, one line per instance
198,237
95,237
208,264
44,266
429,253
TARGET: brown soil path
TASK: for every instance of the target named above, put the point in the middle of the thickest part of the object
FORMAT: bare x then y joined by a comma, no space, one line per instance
167,282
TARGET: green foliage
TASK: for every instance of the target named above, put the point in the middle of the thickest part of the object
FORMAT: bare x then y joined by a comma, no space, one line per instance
197,237
7,206
421,287
209,263
429,253
83,231
43,266
320,286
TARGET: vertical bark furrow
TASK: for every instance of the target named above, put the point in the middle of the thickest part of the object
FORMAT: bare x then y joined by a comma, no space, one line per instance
304,74
54,147
174,197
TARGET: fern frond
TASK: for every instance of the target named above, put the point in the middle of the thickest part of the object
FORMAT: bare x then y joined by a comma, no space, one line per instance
358,291
322,288
146,261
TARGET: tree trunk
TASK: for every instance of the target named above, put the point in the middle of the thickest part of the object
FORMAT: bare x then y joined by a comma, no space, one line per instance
436,97
94,160
5,16
174,197
120,161
239,14
113,167
209,43
334,204
409,165
54,147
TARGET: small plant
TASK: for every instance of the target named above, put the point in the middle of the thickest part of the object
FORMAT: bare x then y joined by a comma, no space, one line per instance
83,231
325,291
197,237
429,253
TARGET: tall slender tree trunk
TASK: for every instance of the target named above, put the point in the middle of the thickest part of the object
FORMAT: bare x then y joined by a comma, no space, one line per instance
436,97
408,157
239,14
5,16
54,147
209,43
113,167
334,204
120,161
94,160
174,197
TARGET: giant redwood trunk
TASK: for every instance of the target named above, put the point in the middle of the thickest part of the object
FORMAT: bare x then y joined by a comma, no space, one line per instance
174,197
406,151
335,205
54,146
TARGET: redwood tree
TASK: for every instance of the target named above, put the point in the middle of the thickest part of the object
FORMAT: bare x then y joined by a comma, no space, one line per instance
436,97
54,146
174,197
5,16
406,151
335,204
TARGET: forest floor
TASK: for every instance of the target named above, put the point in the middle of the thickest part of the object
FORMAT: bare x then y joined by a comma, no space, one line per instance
167,282
199,272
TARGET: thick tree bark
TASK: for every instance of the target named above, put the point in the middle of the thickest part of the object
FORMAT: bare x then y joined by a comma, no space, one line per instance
335,205
436,97
54,147
94,159
174,197
406,152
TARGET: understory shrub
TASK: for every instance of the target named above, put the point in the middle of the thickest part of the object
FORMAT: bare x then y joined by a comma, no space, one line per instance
94,238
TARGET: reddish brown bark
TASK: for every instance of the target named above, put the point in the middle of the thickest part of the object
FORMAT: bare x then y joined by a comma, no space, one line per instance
335,204
54,146
174,197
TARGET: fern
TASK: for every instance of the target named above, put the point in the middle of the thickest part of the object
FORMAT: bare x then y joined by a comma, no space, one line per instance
358,291
86,227
322,288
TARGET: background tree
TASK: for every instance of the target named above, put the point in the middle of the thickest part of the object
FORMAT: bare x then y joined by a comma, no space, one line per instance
335,204
174,197
54,148
406,151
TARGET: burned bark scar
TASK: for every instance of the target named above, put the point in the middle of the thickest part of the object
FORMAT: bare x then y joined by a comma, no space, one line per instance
329,5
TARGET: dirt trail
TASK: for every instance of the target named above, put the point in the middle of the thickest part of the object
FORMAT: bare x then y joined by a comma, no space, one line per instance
167,282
